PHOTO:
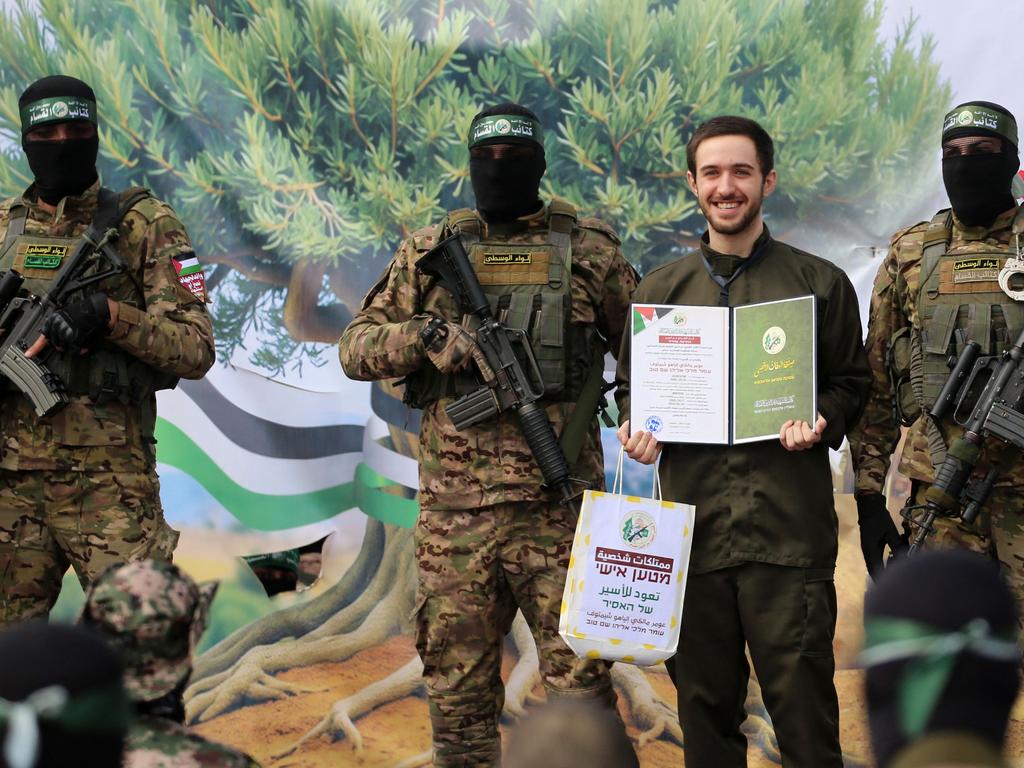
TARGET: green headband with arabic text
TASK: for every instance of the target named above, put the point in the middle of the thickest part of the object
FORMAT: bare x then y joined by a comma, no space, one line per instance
57,109
976,116
517,129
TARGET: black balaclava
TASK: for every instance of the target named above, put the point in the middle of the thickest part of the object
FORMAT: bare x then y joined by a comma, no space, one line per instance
939,650
979,185
67,167
509,187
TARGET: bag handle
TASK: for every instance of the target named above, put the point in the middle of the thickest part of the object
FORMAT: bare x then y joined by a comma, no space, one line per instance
617,482
655,483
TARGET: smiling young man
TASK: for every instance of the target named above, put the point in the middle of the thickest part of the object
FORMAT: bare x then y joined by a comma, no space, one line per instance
765,535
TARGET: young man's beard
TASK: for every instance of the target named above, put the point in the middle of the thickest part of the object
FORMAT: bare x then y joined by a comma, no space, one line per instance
734,228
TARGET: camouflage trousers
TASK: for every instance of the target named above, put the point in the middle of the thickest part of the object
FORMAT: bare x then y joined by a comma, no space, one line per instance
88,520
475,568
998,533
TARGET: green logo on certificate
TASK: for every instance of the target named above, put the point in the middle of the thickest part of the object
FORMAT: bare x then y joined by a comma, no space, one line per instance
638,529
774,340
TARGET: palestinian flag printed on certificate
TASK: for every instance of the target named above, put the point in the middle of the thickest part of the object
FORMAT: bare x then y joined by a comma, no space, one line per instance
643,316
190,274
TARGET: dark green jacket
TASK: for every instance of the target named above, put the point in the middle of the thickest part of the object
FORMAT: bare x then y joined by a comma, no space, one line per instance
757,501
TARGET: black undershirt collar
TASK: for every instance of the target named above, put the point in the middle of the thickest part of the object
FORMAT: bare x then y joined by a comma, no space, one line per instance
723,268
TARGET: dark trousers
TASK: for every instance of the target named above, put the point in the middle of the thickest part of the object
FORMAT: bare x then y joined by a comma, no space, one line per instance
787,617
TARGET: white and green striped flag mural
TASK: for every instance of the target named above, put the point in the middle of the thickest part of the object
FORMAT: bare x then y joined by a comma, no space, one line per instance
278,457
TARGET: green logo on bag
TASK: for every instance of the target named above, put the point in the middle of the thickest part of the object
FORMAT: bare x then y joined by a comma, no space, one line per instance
638,529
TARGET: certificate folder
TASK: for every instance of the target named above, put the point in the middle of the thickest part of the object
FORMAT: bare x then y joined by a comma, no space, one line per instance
722,375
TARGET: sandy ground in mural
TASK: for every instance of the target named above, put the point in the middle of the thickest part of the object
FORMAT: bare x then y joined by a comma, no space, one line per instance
400,730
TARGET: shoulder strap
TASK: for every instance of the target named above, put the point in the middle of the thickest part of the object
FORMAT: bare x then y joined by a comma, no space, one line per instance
561,223
562,215
16,223
936,242
113,206
464,221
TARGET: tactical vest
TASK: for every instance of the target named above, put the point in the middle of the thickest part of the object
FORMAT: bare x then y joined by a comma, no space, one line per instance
959,300
106,373
529,287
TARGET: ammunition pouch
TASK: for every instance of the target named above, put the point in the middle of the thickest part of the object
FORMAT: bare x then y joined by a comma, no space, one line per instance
959,300
906,408
106,373
529,287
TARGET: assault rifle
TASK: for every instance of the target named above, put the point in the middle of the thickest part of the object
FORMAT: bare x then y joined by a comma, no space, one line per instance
514,388
998,411
23,316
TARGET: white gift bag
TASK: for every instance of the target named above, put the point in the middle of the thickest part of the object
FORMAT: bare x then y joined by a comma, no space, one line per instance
627,576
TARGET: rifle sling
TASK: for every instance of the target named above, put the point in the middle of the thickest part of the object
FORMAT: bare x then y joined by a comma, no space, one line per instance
578,425
16,224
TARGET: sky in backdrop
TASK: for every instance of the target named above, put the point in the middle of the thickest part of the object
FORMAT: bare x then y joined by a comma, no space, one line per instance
980,45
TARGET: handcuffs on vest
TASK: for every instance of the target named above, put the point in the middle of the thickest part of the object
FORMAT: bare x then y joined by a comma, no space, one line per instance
1011,276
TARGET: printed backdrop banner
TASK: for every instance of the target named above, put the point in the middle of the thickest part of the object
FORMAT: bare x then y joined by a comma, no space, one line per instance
301,142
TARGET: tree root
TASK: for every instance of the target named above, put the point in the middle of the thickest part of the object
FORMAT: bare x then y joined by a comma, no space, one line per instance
654,717
525,675
417,761
247,679
337,723
379,543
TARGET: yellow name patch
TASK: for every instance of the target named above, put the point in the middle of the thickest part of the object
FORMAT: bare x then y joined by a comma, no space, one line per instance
37,249
980,269
508,258
982,263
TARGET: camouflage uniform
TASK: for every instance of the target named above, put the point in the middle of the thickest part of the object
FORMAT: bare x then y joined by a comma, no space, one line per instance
983,316
155,742
154,614
80,487
489,538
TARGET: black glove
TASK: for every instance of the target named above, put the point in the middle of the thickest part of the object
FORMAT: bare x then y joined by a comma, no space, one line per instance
78,325
876,530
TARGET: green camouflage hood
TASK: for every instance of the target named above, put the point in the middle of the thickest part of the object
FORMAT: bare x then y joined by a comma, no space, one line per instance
154,613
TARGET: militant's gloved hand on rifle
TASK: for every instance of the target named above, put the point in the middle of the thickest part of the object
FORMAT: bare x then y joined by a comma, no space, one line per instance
450,348
876,530
79,325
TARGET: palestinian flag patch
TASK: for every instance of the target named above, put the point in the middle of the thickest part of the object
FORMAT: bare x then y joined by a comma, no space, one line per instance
190,274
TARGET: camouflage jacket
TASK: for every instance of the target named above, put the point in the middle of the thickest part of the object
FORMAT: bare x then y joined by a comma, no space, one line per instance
155,742
489,463
894,305
167,328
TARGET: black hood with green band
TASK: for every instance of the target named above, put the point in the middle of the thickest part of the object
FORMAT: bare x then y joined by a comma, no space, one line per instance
980,185
65,167
62,698
506,187
940,651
